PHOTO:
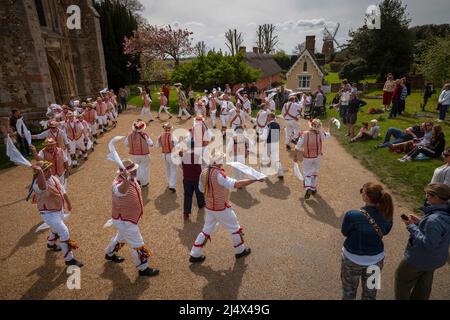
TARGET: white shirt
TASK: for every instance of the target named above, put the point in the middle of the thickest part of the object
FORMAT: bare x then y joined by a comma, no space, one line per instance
444,98
325,136
345,98
227,107
442,175
363,260
272,105
294,111
227,182
65,158
237,121
50,182
21,127
246,105
47,133
261,118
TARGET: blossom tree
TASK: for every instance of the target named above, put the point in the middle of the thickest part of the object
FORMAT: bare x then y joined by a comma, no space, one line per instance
153,42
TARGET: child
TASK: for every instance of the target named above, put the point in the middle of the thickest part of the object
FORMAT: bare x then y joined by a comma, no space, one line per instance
365,133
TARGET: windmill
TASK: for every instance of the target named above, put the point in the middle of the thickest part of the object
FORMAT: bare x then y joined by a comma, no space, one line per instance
329,39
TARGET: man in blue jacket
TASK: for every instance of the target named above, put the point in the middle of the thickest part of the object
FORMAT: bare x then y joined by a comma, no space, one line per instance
428,244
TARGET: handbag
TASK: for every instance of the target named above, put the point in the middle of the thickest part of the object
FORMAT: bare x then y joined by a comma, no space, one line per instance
373,223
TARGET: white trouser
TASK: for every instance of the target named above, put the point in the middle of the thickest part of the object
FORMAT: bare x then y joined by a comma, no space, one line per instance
183,110
110,116
58,228
143,172
292,128
76,144
171,170
272,155
146,111
212,114
93,127
128,232
235,125
311,169
227,218
102,120
163,109
224,119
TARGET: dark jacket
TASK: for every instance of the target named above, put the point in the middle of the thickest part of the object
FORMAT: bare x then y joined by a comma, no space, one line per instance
273,126
438,144
355,104
362,239
429,241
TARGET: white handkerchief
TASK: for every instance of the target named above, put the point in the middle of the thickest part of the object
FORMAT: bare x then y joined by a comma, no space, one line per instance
108,223
252,173
297,172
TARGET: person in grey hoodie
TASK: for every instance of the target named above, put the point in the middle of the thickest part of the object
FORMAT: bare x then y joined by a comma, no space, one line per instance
427,249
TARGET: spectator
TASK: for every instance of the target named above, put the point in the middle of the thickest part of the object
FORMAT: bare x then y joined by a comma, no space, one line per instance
365,133
415,132
363,247
427,93
191,174
442,174
402,101
427,247
345,86
352,114
432,150
396,99
123,94
336,101
444,102
343,108
18,127
354,89
388,90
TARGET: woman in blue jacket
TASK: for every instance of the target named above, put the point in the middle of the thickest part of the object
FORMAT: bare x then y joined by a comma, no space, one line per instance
363,251
427,248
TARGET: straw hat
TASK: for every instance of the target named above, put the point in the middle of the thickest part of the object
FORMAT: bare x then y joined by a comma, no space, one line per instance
139,126
49,141
167,125
217,157
315,124
129,165
52,124
44,165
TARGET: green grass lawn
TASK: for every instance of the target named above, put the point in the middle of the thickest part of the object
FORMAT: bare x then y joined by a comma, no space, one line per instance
405,179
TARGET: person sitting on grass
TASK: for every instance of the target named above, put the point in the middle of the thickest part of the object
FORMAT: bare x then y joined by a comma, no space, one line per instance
365,133
352,114
408,146
433,150
414,132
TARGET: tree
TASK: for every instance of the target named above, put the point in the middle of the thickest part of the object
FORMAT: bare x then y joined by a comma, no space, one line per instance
134,6
200,49
298,49
389,49
284,60
435,58
159,42
233,40
117,22
353,70
266,39
155,71
214,69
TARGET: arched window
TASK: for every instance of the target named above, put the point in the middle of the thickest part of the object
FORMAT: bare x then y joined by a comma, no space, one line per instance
305,66
40,12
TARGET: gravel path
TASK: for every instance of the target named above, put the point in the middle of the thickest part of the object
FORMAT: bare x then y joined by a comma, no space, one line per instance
296,244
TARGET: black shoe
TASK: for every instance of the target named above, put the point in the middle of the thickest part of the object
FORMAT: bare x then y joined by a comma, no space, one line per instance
197,259
186,216
95,142
145,186
314,192
74,262
244,253
308,194
74,166
281,177
173,190
115,258
53,247
149,272
288,147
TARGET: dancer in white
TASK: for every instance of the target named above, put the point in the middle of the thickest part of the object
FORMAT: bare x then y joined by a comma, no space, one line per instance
167,141
182,103
146,108
163,105
291,112
226,108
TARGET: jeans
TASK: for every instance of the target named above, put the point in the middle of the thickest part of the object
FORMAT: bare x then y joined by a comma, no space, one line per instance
123,103
443,111
395,108
425,151
412,284
189,188
399,137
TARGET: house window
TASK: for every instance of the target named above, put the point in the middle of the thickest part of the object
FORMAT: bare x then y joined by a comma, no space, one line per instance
305,66
40,12
304,82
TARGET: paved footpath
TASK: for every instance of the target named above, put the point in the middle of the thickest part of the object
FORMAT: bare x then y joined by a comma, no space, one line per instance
296,244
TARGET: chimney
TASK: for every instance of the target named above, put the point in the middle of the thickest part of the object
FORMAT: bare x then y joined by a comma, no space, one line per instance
257,50
311,43
242,49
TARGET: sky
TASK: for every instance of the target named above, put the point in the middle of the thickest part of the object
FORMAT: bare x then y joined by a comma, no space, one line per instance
294,19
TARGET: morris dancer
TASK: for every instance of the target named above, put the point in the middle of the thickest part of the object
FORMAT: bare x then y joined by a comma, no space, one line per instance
163,105
75,135
100,108
246,104
146,108
167,141
139,143
291,112
127,211
50,197
215,185
57,157
182,103
261,119
226,108
311,141
111,110
90,115
237,117
271,137
213,102
56,133
86,132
